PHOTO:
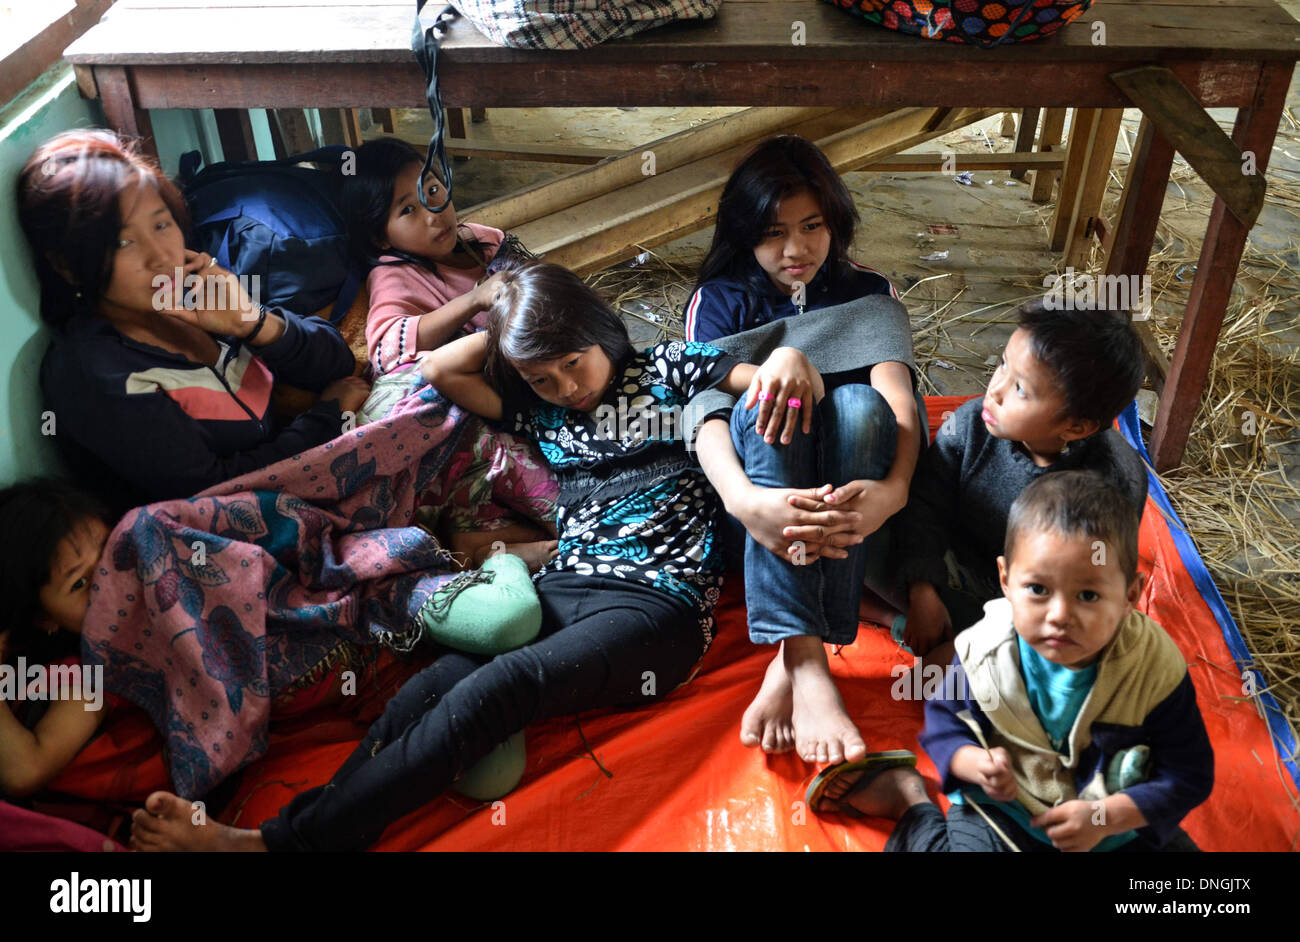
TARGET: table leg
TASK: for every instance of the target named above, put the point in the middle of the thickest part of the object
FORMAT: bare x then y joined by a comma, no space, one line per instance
1092,187
1134,234
1225,238
1025,137
120,111
235,129
1049,140
1076,159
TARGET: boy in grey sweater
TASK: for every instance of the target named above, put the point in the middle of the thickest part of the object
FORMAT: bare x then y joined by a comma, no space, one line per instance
1050,406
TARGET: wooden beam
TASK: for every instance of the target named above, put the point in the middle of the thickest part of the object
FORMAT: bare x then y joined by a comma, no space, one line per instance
117,96
1140,204
1076,161
546,153
669,152
1236,178
934,163
236,132
339,126
667,205
1049,141
1092,187
1215,272
1025,136
294,132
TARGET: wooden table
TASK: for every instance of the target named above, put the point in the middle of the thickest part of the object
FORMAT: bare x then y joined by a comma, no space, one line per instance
237,54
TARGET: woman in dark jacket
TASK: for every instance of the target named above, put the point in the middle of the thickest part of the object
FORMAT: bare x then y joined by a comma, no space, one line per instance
160,372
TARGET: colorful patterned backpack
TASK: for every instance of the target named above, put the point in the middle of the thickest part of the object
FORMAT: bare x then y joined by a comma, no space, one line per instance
984,23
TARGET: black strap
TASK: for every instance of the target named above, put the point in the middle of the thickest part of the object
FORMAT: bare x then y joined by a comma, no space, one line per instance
424,43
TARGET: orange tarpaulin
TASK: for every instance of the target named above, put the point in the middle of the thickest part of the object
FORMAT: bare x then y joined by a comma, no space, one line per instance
673,776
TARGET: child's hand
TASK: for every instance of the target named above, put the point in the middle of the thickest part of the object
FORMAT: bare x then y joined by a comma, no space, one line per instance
928,621
769,516
485,292
874,502
1070,826
351,392
201,276
783,376
994,775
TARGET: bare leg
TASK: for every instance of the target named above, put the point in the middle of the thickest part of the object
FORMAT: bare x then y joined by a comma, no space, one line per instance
169,823
768,719
823,731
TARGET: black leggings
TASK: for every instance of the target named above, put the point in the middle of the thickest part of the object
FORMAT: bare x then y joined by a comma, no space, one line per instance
604,642
923,829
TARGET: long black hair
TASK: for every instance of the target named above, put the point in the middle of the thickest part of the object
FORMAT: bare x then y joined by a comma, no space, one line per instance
35,516
69,207
544,311
366,195
776,169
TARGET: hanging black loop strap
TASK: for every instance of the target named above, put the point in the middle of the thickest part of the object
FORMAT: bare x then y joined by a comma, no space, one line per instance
424,43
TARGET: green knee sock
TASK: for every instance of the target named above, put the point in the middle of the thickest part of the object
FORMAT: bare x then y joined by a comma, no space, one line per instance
496,774
490,611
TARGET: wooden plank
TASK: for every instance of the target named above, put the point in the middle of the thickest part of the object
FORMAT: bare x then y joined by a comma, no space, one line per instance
1140,204
455,122
579,82
328,32
384,118
477,115
668,205
1092,188
236,132
933,163
294,132
1049,141
1157,362
1215,272
669,152
1025,136
1197,136
1076,161
24,63
121,110
338,126
545,153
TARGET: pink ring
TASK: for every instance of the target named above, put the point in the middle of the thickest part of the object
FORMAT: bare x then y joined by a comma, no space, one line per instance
794,403
764,395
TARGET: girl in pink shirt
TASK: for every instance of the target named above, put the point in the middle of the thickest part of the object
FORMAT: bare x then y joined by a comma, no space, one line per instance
425,286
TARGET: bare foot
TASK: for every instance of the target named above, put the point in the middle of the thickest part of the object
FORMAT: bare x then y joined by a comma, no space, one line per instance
767,721
889,794
169,823
823,732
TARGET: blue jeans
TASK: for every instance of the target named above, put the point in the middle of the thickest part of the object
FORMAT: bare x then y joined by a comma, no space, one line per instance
854,436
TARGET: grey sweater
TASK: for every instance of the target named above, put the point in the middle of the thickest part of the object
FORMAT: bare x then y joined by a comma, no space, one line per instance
840,339
964,486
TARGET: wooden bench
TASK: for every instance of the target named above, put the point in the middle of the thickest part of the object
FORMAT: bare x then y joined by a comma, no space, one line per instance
238,54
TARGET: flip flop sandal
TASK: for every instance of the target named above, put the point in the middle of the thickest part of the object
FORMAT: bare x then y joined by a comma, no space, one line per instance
872,766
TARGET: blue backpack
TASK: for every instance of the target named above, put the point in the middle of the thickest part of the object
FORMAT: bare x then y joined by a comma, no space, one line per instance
280,222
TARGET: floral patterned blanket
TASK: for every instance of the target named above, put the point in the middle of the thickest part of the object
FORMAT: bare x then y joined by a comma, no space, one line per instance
203,610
